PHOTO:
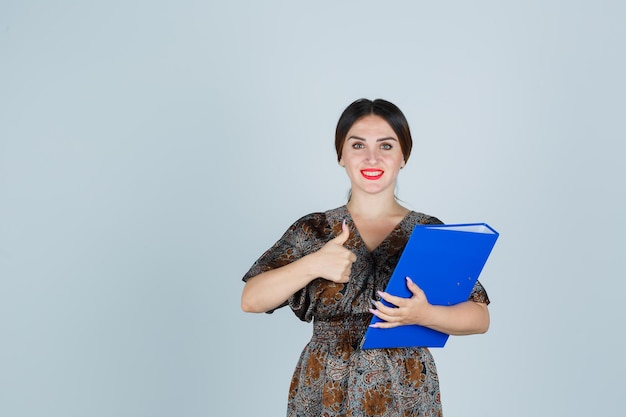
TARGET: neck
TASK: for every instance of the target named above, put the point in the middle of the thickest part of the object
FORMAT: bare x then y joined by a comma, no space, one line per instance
374,206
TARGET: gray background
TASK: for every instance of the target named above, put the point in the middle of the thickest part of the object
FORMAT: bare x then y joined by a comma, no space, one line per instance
150,151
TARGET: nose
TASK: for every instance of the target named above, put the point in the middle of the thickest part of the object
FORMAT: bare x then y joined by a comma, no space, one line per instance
372,156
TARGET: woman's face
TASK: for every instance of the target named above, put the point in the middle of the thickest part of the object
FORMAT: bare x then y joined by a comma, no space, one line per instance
372,155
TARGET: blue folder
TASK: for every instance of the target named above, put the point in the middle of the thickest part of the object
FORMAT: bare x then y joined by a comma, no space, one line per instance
445,262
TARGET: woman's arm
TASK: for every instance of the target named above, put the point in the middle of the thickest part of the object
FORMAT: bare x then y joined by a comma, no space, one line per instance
270,289
465,318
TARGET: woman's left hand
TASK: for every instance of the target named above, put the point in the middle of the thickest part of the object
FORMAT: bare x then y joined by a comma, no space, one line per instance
414,310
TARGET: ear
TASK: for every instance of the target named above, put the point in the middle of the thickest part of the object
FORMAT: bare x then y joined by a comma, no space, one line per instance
341,163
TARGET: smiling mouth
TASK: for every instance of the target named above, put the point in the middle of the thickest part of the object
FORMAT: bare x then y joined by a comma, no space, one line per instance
372,174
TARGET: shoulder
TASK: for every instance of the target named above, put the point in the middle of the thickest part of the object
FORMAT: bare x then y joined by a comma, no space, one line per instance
421,218
319,223
322,217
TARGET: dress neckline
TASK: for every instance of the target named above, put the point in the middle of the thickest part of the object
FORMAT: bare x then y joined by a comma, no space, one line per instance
357,233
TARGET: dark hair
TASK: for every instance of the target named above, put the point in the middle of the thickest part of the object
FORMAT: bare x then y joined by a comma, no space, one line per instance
379,107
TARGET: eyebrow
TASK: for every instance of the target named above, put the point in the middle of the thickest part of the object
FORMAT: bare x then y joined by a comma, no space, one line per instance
377,140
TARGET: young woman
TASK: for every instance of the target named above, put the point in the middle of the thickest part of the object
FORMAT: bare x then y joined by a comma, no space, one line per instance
329,267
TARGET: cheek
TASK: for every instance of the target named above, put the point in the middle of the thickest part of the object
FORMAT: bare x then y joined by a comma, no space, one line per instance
395,160
347,158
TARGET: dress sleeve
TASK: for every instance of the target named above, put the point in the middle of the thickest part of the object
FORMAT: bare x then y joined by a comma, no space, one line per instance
479,294
282,253
296,242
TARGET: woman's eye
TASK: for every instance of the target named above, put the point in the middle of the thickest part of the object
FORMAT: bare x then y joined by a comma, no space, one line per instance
357,145
386,146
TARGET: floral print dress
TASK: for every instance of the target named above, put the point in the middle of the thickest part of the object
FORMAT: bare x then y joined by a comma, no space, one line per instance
334,377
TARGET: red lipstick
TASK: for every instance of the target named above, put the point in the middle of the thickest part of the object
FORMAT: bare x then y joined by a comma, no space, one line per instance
372,174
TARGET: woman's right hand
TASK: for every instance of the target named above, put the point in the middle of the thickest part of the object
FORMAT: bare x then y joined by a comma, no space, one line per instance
270,289
333,260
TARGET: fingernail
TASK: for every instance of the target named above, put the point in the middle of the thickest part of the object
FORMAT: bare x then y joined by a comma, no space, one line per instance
374,302
380,293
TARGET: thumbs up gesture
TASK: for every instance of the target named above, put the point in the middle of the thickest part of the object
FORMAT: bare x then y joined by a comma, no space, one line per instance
334,261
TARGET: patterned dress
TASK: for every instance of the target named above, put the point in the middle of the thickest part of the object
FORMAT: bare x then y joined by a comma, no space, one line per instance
333,376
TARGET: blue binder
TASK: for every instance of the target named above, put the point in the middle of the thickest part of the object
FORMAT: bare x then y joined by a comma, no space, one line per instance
445,262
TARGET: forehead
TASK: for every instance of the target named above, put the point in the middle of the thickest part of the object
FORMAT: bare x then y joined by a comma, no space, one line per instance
371,127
